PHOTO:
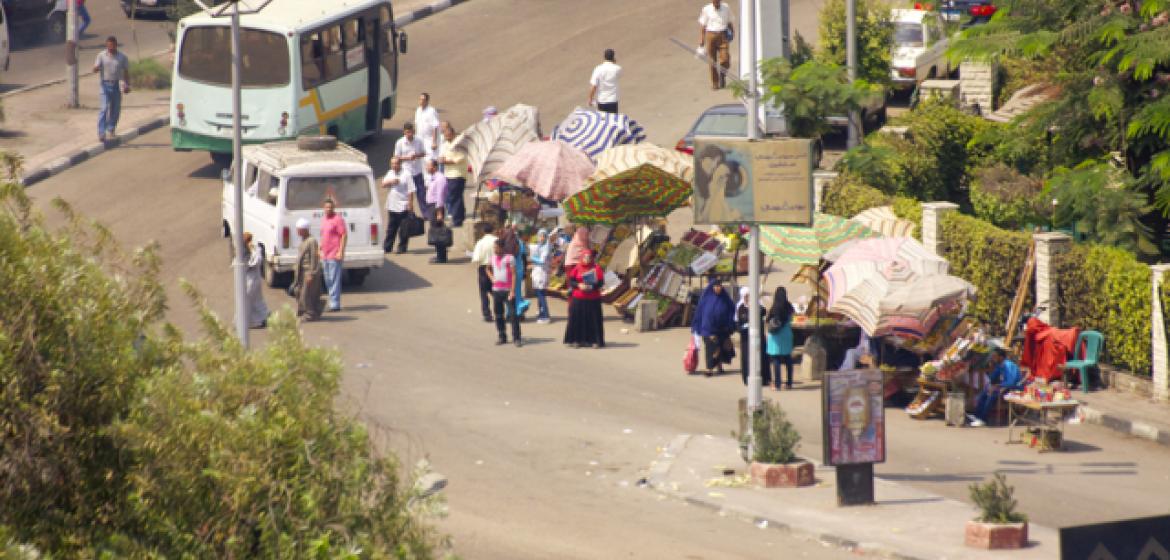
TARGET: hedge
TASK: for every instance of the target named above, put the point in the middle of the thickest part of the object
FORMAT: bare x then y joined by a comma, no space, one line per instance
991,259
848,196
1107,290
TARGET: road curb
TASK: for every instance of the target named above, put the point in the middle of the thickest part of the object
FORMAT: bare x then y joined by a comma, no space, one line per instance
1126,426
87,153
663,464
84,154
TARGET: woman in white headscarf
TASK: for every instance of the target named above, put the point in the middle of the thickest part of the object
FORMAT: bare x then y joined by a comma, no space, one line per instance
742,324
253,289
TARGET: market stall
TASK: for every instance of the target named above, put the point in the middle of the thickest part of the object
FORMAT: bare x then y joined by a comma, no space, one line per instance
1038,414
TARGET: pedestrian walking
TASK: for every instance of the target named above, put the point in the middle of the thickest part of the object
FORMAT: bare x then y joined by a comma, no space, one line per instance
82,13
253,289
455,170
410,150
399,205
333,239
713,324
436,183
743,325
307,282
481,257
112,67
715,32
779,337
586,324
541,251
426,123
603,84
440,237
503,277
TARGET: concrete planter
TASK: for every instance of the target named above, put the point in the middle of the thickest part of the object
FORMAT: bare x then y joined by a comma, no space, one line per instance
996,535
788,475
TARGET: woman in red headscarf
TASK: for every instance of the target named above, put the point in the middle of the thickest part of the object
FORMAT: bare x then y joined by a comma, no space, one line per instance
585,325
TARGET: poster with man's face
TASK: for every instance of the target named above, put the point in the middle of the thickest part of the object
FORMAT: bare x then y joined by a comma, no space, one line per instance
763,181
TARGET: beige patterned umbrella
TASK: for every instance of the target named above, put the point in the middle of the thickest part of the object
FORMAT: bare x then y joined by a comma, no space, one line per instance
489,143
883,220
619,159
553,169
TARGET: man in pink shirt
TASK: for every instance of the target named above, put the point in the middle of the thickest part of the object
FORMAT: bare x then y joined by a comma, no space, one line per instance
436,190
333,238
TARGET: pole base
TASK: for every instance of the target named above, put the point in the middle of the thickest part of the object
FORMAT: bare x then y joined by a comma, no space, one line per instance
855,485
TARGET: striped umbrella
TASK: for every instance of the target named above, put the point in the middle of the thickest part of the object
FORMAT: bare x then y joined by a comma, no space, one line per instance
553,169
892,286
806,245
644,190
620,159
883,220
488,143
593,131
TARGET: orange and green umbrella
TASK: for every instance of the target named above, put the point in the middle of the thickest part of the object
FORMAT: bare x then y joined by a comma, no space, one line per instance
641,191
807,245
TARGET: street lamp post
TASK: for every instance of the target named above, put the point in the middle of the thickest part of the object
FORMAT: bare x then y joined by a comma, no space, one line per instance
239,265
71,53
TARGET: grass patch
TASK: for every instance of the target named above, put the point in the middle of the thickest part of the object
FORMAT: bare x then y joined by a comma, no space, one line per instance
149,73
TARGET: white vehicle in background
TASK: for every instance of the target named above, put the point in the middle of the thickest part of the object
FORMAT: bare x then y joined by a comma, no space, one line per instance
919,50
288,180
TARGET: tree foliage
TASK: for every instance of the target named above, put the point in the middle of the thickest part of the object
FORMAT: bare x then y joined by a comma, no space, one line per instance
812,92
1095,198
118,438
875,38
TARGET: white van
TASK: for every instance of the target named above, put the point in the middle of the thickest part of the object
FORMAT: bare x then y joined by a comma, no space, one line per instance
4,41
288,180
920,48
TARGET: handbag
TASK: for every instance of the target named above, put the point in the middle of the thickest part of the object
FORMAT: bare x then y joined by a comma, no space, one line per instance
774,324
414,225
691,357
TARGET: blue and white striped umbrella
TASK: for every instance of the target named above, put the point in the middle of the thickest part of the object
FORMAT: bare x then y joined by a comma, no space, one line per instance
594,132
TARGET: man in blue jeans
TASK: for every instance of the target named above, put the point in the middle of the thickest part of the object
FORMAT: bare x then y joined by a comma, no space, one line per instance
1005,377
112,67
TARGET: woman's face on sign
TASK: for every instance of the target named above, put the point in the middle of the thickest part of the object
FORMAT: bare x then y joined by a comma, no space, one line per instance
720,178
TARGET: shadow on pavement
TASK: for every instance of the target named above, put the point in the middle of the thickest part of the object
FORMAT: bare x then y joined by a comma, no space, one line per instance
392,277
12,134
909,501
363,307
209,171
904,477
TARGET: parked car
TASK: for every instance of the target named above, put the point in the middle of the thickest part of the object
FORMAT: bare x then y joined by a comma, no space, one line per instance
134,8
728,121
920,48
34,19
979,11
288,180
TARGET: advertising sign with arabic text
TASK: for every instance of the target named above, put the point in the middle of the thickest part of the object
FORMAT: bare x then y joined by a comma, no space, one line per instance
761,181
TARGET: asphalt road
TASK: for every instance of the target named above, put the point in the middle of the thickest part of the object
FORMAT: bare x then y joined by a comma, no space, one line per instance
544,445
37,60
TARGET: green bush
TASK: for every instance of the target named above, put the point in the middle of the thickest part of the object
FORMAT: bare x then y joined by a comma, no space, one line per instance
811,93
847,196
1002,196
991,259
1020,145
996,501
776,439
1107,290
120,439
148,73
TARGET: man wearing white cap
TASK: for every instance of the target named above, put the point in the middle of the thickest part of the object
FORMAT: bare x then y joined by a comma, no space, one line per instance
308,282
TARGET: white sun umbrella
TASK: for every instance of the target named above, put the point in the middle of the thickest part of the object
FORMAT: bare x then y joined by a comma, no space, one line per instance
883,220
489,143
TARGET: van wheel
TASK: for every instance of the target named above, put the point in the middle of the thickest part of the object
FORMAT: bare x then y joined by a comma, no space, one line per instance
222,160
356,276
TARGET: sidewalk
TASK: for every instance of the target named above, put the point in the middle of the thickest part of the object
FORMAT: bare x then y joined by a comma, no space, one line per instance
1128,413
52,138
905,523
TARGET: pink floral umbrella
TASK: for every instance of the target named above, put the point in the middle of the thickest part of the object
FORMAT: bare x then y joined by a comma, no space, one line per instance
553,169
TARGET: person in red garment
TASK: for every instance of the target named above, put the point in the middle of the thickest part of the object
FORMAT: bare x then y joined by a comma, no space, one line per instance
585,326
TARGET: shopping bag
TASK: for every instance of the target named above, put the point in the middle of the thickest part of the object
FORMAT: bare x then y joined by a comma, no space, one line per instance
691,357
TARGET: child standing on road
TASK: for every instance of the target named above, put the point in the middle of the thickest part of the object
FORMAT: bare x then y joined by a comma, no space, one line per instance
439,237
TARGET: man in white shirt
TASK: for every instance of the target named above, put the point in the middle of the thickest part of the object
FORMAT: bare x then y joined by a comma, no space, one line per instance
481,257
604,84
411,151
714,26
399,204
426,123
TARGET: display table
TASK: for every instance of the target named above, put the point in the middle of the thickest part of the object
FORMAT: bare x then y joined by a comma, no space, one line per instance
1039,424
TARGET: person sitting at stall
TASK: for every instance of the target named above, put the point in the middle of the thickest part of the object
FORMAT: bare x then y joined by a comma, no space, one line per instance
858,354
1005,376
714,321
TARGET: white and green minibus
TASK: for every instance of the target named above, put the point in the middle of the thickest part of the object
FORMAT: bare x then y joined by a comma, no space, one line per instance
307,67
